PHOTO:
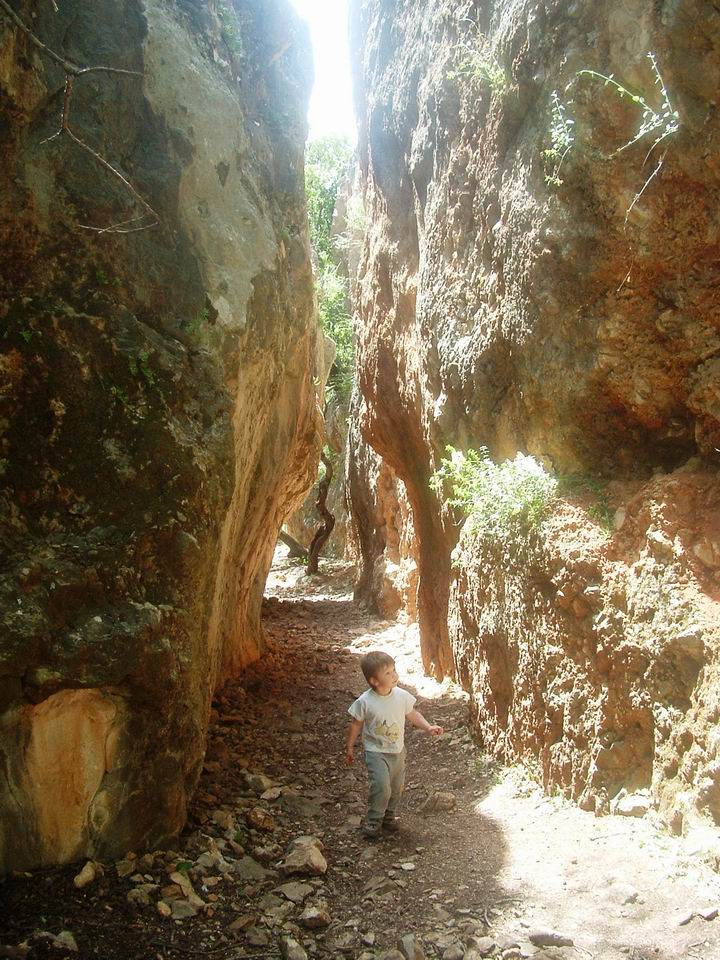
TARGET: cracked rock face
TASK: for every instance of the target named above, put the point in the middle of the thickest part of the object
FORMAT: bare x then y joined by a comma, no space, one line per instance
566,312
159,417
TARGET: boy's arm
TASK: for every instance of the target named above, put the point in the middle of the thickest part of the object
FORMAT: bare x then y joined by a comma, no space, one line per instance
353,733
418,720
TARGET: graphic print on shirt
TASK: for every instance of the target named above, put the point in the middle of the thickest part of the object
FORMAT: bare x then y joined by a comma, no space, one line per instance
387,731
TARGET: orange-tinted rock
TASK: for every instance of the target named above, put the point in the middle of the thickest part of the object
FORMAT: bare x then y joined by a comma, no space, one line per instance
160,417
576,321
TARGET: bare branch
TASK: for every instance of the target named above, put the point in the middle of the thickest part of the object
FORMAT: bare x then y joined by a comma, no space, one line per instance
111,170
73,70
67,65
645,185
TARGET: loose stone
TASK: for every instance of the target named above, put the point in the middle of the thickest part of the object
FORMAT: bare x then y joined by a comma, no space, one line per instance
87,875
315,917
291,949
411,948
295,891
549,938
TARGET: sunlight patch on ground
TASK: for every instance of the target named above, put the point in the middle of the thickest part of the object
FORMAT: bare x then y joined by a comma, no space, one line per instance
288,579
601,881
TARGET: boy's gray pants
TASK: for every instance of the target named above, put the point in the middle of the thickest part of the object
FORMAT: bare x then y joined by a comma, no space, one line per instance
387,779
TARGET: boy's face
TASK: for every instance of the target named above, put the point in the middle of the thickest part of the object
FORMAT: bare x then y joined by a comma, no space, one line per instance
385,679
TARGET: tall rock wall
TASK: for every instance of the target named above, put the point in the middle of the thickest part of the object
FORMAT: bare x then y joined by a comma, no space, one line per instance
159,418
532,280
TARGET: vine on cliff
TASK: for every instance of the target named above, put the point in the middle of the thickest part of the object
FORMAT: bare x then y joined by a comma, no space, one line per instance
663,121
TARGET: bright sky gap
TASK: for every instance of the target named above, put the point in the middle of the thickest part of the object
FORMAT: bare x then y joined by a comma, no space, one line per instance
331,105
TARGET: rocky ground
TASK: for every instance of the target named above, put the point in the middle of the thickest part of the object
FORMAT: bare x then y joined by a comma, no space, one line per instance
273,864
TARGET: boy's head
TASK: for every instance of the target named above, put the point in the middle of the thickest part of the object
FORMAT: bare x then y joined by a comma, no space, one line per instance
378,669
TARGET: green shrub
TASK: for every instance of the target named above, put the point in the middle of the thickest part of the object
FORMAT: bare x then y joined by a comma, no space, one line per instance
501,500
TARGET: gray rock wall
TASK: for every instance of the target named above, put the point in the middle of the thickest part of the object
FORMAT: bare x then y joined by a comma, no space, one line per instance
158,415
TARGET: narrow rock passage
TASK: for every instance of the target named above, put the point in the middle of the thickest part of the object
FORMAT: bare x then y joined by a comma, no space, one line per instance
485,864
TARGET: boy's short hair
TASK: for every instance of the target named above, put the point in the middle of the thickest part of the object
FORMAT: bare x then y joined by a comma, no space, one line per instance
373,661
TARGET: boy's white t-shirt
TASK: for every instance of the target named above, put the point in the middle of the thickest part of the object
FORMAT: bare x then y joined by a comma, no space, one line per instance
383,719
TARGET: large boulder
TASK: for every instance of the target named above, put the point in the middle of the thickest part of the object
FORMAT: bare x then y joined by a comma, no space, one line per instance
159,418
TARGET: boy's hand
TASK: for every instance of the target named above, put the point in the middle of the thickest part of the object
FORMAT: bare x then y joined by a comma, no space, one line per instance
435,730
350,757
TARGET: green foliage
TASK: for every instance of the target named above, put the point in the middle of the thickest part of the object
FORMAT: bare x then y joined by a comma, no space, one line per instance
663,121
335,320
119,395
327,162
562,137
198,321
477,63
485,69
501,500
326,167
140,366
230,28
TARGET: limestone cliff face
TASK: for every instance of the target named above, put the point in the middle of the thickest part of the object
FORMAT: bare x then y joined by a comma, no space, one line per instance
569,314
159,418
382,528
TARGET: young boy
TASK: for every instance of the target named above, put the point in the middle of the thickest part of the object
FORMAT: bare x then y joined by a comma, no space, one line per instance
380,714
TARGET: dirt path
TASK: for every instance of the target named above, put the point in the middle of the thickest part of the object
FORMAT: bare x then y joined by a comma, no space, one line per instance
484,877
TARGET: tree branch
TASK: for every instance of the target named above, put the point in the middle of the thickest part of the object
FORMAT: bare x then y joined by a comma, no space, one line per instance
322,535
67,65
73,70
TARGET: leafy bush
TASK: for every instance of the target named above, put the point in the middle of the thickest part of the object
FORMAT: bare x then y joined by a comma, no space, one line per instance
327,163
335,320
501,500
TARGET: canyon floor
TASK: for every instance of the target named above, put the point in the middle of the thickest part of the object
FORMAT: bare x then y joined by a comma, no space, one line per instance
485,863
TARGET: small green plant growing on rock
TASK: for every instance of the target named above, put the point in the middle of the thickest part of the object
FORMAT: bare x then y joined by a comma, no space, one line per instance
562,137
665,121
500,500
485,69
198,321
230,28
476,62
140,365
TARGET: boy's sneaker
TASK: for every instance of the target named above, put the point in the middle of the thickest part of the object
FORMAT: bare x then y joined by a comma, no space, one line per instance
391,823
370,830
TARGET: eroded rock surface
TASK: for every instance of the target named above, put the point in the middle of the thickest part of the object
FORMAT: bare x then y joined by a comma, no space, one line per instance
159,417
571,314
